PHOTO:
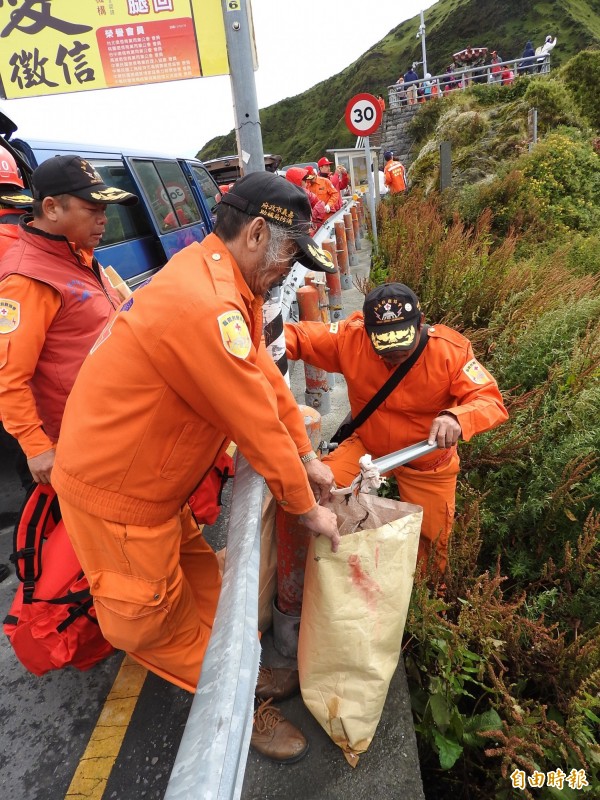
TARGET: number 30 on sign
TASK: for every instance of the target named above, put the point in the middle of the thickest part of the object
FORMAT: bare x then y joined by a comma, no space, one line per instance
363,114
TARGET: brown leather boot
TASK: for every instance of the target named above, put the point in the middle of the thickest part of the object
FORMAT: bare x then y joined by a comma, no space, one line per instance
275,737
279,683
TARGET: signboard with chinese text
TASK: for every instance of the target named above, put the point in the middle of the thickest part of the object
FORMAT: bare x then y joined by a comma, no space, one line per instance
56,46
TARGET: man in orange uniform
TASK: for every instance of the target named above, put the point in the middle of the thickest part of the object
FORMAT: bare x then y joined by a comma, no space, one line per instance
325,190
394,174
446,394
297,176
339,178
179,373
54,301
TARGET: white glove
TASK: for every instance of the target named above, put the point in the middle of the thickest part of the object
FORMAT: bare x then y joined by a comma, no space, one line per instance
371,478
368,479
327,209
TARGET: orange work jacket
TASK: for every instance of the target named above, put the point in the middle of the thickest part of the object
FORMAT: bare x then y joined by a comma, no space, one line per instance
326,191
178,373
445,377
53,304
394,175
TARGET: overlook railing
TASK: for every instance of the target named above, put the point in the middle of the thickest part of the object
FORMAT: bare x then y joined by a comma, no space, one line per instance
503,73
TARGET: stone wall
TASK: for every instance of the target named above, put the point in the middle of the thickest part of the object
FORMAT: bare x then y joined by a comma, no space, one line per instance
395,136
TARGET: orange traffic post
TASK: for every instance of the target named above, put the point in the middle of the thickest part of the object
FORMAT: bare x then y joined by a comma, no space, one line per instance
292,546
356,227
342,254
336,312
352,257
361,215
317,384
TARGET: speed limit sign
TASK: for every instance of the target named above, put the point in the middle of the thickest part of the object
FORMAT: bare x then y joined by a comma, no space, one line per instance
363,114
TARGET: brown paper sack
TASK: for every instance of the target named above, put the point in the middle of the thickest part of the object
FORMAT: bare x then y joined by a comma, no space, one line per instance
353,616
267,577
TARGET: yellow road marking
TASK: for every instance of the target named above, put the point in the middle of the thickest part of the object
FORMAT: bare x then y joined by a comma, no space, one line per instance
93,772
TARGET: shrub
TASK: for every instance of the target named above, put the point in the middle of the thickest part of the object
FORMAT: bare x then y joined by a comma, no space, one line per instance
453,268
582,76
554,103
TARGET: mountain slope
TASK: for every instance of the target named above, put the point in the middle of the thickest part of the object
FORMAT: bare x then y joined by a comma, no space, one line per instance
303,127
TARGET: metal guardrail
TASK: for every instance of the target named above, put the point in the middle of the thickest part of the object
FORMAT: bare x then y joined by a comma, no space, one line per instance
212,755
462,78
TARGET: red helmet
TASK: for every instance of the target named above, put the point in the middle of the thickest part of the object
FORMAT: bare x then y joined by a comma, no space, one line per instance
322,162
296,175
10,174
12,188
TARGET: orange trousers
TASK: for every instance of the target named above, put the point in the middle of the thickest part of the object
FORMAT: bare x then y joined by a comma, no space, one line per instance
155,589
434,490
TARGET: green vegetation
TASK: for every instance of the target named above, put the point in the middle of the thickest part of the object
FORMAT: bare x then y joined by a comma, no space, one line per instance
299,128
504,662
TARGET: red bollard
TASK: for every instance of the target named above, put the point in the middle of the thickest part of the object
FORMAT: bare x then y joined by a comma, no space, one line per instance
356,227
342,254
352,257
336,311
292,546
317,393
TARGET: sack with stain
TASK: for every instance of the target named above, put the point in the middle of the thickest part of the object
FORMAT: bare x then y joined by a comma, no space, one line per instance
353,616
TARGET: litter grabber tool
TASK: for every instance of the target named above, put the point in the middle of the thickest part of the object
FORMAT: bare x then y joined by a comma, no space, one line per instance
371,470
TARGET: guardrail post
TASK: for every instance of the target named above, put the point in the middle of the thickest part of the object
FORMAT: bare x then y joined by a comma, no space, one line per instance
336,311
317,386
356,228
342,254
292,546
352,257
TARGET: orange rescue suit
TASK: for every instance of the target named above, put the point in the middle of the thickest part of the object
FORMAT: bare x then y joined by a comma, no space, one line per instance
446,377
179,373
394,175
326,191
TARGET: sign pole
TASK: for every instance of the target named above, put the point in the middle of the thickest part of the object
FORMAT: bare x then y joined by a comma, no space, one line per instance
243,86
371,184
363,116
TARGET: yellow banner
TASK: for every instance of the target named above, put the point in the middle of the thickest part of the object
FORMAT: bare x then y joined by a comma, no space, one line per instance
56,46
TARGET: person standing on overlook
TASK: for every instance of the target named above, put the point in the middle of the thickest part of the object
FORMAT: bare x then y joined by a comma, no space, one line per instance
411,79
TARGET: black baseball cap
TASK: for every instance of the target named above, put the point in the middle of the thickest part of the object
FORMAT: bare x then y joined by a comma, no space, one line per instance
263,194
74,175
392,313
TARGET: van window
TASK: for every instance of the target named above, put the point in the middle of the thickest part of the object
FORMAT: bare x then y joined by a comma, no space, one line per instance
209,188
122,222
168,192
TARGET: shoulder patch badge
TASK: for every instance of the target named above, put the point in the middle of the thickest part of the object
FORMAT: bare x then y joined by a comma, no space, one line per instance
474,372
10,315
333,327
235,333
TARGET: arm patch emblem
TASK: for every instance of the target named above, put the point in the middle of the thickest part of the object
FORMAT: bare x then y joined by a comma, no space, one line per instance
10,315
474,372
234,333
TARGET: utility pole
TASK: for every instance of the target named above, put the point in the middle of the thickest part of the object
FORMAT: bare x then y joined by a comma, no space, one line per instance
236,16
421,33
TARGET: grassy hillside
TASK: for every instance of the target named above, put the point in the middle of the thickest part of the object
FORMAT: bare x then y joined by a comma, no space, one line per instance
301,127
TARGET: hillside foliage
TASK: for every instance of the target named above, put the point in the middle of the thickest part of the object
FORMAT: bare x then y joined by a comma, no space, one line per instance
303,127
503,662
